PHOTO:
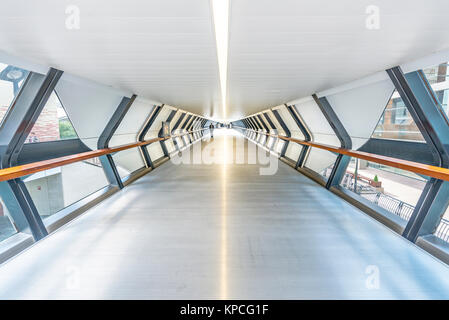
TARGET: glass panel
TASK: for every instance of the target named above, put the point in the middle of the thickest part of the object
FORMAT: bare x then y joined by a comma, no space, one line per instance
52,124
438,77
321,161
396,122
128,161
442,230
7,227
393,189
57,188
11,79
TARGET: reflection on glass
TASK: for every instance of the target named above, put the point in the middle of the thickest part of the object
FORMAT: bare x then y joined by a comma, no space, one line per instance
442,231
438,77
128,161
7,227
52,123
320,161
396,122
392,189
11,78
57,188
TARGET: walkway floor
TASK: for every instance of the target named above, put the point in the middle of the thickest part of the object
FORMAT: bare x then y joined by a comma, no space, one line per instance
223,231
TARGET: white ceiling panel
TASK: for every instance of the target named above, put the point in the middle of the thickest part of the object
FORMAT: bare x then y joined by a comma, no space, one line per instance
165,50
288,49
161,50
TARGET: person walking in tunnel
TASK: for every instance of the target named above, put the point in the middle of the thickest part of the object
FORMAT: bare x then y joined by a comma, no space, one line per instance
211,129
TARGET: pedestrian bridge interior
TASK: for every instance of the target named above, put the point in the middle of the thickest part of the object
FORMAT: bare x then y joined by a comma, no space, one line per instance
224,149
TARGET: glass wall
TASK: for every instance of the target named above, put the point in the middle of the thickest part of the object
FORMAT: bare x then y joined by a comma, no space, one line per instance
392,189
57,188
396,123
442,231
7,227
128,161
293,149
52,123
438,78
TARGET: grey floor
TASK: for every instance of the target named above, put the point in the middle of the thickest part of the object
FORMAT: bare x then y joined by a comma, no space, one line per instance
206,231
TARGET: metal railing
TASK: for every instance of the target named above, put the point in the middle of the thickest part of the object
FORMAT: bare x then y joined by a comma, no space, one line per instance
442,231
396,206
393,205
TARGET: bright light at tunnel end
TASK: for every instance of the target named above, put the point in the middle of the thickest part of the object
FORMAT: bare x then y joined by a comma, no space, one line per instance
220,9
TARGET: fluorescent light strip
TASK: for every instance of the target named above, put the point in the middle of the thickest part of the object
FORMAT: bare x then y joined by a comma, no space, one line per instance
220,9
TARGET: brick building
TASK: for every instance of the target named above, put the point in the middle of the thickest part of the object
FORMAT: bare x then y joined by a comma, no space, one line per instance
397,123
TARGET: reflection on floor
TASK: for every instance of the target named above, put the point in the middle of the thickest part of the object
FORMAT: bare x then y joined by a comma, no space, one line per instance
222,230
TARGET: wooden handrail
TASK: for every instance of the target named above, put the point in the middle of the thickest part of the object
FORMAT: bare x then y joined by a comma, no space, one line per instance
416,167
34,167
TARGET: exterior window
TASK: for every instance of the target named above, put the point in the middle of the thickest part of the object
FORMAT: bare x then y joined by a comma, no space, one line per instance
392,189
442,230
7,227
52,124
11,79
438,77
54,189
396,122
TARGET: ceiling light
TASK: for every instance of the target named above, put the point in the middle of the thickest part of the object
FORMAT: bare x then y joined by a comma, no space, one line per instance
220,9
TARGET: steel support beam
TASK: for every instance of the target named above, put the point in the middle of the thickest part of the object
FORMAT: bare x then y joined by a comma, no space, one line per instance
190,127
184,127
186,122
251,123
431,120
107,162
145,129
259,120
307,136
257,127
160,134
178,122
342,162
271,124
269,121
18,123
263,123
286,130
176,127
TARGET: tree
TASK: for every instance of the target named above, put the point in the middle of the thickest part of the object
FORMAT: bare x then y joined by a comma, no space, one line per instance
66,130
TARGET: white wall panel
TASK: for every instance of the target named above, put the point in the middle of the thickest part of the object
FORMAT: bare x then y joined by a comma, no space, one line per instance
275,122
129,160
360,109
132,123
89,107
290,123
293,151
157,124
322,132
316,122
155,151
175,119
319,159
170,145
